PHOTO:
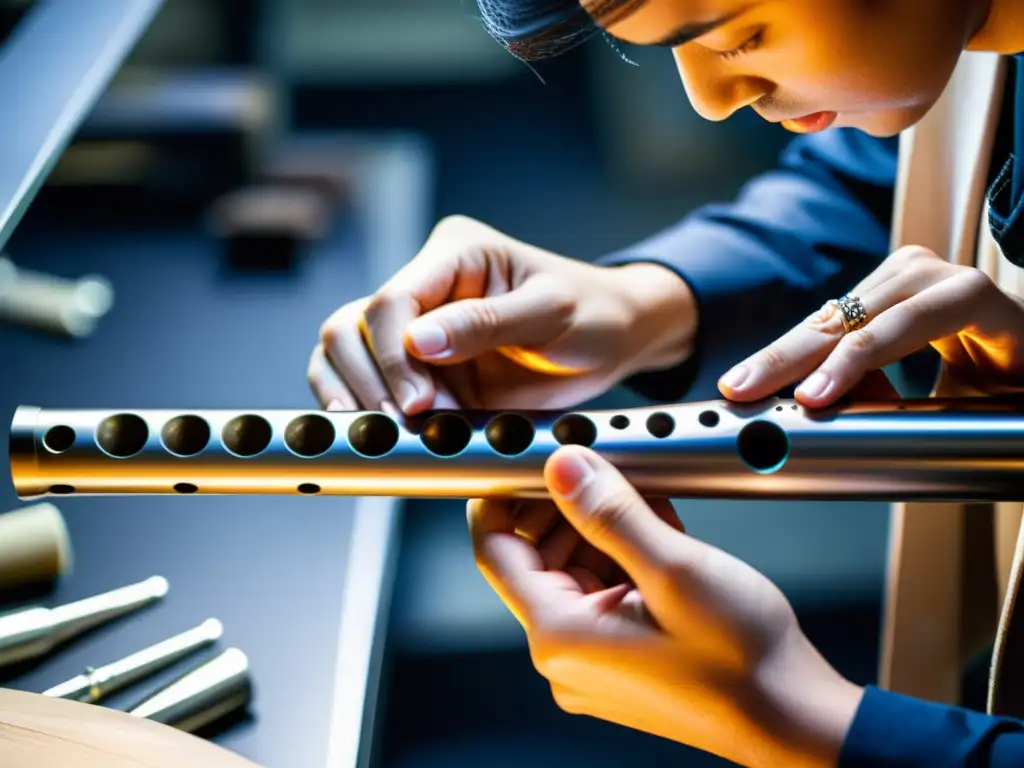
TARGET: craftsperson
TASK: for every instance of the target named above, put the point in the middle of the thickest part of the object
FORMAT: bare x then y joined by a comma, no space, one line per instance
901,200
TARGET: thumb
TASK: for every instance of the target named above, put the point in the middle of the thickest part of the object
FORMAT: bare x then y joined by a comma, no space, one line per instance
534,314
611,515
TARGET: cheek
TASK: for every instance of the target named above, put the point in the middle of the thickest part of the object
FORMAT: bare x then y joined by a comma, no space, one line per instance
832,69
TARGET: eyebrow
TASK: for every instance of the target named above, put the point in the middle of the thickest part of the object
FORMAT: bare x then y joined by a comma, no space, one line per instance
690,32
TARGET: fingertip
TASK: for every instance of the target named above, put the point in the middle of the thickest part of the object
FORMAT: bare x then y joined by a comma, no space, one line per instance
569,469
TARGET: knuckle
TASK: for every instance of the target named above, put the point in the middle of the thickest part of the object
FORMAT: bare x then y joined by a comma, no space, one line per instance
974,281
334,328
913,254
828,320
860,341
774,358
481,317
380,302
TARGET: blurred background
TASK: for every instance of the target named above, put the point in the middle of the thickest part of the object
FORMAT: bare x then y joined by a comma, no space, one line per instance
318,101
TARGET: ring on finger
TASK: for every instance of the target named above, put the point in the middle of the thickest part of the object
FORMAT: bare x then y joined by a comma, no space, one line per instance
852,311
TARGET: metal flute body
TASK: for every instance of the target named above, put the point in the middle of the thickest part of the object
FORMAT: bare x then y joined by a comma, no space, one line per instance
928,449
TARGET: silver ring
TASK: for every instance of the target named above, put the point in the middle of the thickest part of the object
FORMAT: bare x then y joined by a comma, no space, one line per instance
853,312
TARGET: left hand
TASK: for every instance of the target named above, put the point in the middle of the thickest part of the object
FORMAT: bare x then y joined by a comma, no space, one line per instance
913,300
635,622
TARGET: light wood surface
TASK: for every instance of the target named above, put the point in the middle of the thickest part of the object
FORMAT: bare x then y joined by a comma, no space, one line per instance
39,732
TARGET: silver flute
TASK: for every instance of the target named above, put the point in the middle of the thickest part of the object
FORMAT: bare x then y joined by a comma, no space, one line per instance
97,683
927,449
33,632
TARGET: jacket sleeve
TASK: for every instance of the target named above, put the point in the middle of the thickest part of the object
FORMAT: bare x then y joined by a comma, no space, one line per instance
895,731
795,237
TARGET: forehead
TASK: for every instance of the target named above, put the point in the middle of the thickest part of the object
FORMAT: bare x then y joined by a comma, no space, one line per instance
662,22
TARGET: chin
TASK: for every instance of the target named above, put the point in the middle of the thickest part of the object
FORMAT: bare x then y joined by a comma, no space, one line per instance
885,125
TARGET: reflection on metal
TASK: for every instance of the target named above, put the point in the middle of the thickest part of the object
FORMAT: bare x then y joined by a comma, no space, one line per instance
98,683
215,689
54,66
34,632
914,449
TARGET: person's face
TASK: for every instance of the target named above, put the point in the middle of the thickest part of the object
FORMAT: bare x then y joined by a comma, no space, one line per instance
876,65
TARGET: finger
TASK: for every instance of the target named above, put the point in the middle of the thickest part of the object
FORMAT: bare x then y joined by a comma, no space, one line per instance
534,519
663,508
347,354
327,387
936,312
800,351
506,560
383,328
587,557
451,262
608,513
588,581
558,546
532,315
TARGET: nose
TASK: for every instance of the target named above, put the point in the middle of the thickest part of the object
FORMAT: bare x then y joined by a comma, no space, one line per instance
714,95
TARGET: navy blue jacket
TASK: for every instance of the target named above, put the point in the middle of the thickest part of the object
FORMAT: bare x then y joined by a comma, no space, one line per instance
795,238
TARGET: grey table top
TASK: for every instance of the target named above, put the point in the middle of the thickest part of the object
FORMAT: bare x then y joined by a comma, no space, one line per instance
301,584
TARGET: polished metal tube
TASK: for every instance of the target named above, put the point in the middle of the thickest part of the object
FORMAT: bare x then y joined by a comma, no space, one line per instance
97,683
927,449
210,691
33,632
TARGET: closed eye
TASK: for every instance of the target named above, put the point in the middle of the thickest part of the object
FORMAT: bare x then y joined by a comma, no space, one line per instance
752,43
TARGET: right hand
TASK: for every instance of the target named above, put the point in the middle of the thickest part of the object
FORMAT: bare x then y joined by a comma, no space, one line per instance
479,320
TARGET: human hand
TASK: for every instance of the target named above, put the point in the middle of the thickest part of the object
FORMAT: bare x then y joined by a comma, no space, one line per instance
913,300
480,320
635,622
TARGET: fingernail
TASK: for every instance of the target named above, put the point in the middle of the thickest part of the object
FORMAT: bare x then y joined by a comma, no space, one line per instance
570,474
734,379
407,394
814,385
428,338
335,405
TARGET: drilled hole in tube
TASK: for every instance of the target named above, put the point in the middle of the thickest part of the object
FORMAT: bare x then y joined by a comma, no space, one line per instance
247,435
763,446
59,438
660,424
62,490
185,488
575,429
122,435
510,433
446,434
186,435
310,435
309,488
373,435
709,418
619,422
